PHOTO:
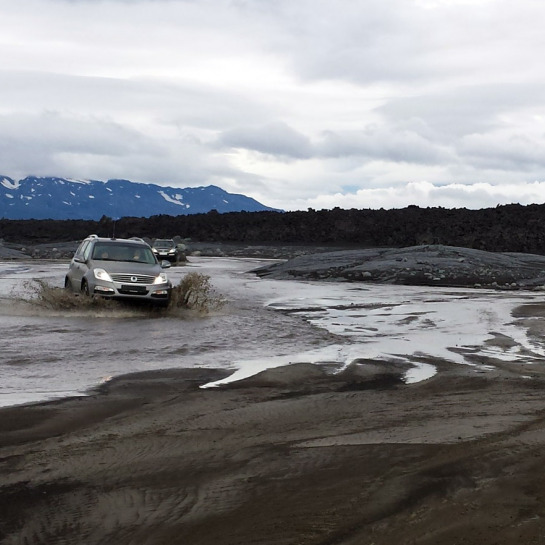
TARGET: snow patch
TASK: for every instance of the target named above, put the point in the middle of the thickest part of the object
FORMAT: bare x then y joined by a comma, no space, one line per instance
76,181
170,199
8,184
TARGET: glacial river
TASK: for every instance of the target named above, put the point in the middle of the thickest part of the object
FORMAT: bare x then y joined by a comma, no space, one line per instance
47,353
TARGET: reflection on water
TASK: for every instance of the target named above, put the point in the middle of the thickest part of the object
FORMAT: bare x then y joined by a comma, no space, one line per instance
48,353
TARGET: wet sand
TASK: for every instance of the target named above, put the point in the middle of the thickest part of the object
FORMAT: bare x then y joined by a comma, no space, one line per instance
294,455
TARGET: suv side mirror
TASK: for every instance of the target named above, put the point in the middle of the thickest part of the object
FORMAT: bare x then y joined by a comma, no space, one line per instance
165,264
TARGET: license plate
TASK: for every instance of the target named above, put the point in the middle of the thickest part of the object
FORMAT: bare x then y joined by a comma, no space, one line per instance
133,289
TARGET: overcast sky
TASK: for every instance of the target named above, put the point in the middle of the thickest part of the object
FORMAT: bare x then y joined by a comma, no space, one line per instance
297,103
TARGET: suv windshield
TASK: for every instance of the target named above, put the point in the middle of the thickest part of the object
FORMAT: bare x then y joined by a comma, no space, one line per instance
164,244
123,252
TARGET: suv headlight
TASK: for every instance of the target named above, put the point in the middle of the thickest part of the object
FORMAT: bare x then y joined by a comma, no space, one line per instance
101,274
161,279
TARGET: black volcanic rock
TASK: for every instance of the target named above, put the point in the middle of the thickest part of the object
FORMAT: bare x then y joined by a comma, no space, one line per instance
507,228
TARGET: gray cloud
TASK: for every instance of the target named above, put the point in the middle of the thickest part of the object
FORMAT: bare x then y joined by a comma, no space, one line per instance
202,105
380,143
44,142
511,152
53,144
464,109
276,139
372,143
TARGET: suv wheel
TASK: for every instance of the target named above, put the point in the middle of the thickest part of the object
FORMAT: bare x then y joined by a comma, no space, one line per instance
85,288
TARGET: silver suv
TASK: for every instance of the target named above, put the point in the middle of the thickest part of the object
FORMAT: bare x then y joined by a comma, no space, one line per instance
166,248
118,268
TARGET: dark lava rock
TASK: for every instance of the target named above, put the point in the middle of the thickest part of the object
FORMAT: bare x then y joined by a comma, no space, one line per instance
430,265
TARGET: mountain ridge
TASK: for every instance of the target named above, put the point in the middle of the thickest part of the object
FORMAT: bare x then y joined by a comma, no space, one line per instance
58,198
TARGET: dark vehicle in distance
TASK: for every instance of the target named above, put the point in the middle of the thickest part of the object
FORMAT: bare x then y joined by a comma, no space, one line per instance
166,248
119,269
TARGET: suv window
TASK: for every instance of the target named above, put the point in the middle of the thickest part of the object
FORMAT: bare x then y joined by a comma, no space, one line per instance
82,247
86,250
164,243
111,251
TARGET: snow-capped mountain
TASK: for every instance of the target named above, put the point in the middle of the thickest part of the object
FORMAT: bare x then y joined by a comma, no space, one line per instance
60,198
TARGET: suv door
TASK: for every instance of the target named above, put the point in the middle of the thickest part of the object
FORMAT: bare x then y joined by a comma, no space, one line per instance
79,263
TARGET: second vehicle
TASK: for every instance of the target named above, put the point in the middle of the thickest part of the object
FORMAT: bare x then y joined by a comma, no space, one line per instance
166,248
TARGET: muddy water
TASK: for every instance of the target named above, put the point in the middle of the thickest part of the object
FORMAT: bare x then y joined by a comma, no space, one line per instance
49,352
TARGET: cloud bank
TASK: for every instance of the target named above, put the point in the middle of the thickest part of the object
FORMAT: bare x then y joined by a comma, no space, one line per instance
314,103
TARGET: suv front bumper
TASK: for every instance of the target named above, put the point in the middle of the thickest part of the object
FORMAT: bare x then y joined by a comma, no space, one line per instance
116,290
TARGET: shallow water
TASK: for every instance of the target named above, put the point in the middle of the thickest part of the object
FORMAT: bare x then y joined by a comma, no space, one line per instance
48,353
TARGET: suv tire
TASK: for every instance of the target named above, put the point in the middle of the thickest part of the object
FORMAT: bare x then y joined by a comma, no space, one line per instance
85,289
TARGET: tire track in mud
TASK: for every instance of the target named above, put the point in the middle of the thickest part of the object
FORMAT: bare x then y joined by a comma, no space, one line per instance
124,512
128,483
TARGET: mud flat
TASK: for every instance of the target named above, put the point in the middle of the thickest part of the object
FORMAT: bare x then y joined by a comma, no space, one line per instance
294,455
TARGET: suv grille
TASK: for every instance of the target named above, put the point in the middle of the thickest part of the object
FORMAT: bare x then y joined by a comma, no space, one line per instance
126,278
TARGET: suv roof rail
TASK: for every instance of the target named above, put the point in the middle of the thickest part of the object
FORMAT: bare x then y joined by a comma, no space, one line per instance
92,236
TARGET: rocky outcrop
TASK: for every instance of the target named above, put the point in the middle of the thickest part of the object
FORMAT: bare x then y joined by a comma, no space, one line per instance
61,250
433,265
